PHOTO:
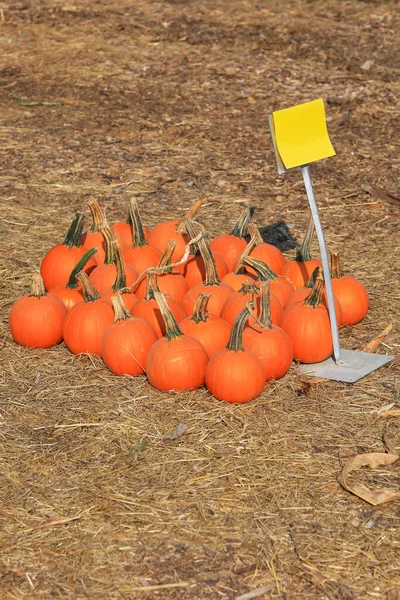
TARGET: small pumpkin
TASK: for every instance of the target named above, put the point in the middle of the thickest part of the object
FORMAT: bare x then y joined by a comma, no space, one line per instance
124,229
119,287
86,322
140,254
300,270
269,342
213,332
281,287
234,374
350,292
71,293
230,246
267,253
177,361
36,320
127,342
237,301
59,261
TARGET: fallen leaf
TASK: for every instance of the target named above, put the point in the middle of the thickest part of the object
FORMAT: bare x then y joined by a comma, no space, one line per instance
373,460
135,449
177,432
381,195
373,344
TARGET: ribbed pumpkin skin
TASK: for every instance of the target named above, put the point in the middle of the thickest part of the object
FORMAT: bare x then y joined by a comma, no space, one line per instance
300,272
103,277
302,293
171,284
309,331
230,247
175,365
129,299
237,302
124,231
94,239
353,299
272,346
126,344
219,293
235,377
150,312
58,263
213,334
237,280
271,255
282,288
68,296
85,324
194,270
162,233
37,322
142,257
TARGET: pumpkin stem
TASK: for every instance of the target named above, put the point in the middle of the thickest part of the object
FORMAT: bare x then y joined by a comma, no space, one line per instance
256,237
264,272
72,282
98,217
73,237
265,305
172,330
304,253
120,310
120,279
335,266
211,269
235,341
315,296
240,269
200,312
151,285
37,287
138,237
90,294
314,275
108,236
193,210
165,260
241,228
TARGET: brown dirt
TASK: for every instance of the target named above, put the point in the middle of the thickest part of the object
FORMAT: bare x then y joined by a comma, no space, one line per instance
169,101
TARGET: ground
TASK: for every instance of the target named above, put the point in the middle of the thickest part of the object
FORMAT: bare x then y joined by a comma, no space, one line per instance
169,101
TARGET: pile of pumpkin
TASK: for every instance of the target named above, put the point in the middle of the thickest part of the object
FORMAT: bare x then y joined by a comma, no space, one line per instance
185,311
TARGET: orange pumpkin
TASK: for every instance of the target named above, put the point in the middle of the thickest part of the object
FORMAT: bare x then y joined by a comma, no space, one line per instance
126,343
124,229
86,322
234,374
213,332
351,294
71,293
267,253
230,246
119,287
36,320
269,342
177,361
300,270
59,261
140,254
238,300
281,287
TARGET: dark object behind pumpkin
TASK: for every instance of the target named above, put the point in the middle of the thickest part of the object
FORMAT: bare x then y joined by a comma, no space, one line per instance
278,235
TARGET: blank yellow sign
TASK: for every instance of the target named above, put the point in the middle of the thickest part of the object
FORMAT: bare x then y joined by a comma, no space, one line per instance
301,136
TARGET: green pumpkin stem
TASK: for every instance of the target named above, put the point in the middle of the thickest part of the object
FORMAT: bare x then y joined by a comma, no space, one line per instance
172,330
304,253
151,285
37,286
265,305
256,237
120,279
264,272
235,341
109,237
165,260
98,218
335,266
314,275
211,268
73,237
120,311
200,312
138,237
72,282
315,296
90,294
240,230
190,214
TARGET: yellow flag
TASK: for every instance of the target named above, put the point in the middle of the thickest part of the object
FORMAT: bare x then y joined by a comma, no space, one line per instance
301,136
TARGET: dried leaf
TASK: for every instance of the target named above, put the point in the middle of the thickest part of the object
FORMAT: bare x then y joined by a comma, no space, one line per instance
177,432
373,460
135,449
373,344
381,195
